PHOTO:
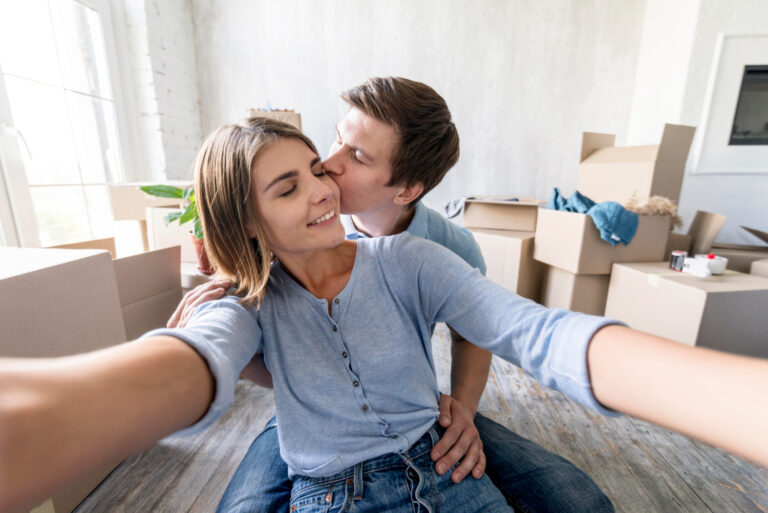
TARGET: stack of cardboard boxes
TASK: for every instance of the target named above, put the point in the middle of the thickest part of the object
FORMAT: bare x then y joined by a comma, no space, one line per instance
632,283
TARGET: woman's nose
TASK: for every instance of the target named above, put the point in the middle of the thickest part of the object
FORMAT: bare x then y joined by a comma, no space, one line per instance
323,190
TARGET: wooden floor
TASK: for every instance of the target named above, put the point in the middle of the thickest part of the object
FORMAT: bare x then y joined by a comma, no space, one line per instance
642,468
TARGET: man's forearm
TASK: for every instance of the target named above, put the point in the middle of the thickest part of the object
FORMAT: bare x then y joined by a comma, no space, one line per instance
716,397
469,372
63,418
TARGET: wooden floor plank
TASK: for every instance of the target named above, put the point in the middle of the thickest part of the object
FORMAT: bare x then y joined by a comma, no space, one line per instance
641,467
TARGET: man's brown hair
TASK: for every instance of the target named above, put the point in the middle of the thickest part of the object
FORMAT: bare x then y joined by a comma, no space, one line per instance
428,140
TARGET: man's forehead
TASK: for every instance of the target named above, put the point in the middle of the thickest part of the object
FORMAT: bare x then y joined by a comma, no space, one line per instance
367,132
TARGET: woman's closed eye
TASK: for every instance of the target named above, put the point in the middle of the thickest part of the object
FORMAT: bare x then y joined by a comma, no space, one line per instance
288,192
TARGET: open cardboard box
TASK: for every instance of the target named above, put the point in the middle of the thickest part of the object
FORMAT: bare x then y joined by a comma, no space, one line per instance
129,204
509,259
584,293
610,173
572,242
741,256
678,242
57,302
501,213
724,312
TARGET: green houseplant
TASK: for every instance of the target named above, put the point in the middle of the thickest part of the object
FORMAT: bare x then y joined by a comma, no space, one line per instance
187,196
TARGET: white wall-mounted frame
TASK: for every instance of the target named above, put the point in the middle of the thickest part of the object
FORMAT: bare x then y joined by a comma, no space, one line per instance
711,153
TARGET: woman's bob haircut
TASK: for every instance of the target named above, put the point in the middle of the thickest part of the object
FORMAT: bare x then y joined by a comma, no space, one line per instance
235,240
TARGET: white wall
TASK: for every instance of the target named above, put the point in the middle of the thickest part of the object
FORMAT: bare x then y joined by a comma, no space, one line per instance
523,78
159,44
681,58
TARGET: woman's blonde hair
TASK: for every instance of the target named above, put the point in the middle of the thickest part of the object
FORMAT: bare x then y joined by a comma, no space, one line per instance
227,211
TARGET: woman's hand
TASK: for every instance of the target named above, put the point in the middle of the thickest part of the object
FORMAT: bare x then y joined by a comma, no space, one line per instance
461,441
201,294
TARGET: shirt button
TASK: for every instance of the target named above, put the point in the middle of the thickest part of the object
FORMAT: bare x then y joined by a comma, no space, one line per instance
344,354
336,301
356,383
335,328
365,407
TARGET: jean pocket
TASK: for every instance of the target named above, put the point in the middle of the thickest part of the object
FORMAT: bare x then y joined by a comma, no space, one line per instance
314,501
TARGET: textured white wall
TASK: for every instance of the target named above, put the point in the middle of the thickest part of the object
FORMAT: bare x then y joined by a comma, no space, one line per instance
742,198
523,78
163,80
673,73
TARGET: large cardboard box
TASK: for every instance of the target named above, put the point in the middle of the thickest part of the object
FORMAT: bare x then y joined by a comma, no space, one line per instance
759,267
724,312
678,242
501,213
56,302
577,292
509,259
572,242
163,235
608,173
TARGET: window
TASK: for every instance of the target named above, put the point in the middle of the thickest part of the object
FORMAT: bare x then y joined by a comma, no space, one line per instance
750,123
58,113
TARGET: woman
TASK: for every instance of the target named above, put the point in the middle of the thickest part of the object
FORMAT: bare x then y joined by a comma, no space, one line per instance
356,426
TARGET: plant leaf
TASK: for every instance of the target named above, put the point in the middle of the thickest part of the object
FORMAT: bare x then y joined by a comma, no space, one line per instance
189,214
163,191
198,229
173,216
189,191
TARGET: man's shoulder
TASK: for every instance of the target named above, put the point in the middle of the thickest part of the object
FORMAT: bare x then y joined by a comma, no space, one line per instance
432,226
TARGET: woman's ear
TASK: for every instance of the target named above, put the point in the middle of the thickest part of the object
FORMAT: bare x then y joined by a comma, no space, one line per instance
409,193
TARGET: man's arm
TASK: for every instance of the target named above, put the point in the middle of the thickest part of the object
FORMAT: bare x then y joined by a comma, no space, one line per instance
470,366
716,397
65,417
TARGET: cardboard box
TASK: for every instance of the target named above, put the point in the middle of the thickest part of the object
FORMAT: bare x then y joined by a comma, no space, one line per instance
288,116
740,257
509,258
129,204
704,230
577,292
57,302
759,267
724,312
572,242
161,235
499,213
677,242
149,287
608,173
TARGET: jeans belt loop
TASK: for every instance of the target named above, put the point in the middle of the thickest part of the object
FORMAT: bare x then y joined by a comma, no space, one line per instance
357,491
433,435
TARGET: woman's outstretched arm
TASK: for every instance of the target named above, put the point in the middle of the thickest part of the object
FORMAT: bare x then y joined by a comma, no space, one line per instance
719,398
65,417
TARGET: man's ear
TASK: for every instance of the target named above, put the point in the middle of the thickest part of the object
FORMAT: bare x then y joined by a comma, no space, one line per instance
409,193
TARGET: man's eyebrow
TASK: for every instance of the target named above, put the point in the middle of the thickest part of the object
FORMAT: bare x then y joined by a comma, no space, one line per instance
291,174
356,148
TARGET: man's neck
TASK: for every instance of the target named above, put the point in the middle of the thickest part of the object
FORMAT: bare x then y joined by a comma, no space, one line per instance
390,221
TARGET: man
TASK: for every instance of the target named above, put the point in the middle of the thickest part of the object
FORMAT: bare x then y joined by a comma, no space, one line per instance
395,144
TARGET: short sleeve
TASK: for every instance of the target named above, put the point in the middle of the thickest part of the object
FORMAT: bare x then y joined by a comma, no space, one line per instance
226,335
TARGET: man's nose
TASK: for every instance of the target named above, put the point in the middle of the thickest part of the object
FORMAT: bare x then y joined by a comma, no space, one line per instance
333,164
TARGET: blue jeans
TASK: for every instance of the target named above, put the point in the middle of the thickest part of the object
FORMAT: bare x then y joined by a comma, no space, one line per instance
531,478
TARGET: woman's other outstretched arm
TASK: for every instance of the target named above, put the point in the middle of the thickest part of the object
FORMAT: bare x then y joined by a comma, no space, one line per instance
65,417
719,398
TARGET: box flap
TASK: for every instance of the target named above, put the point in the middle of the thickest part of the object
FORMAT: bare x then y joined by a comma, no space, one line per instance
763,236
18,261
704,229
675,143
593,141
107,244
148,274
